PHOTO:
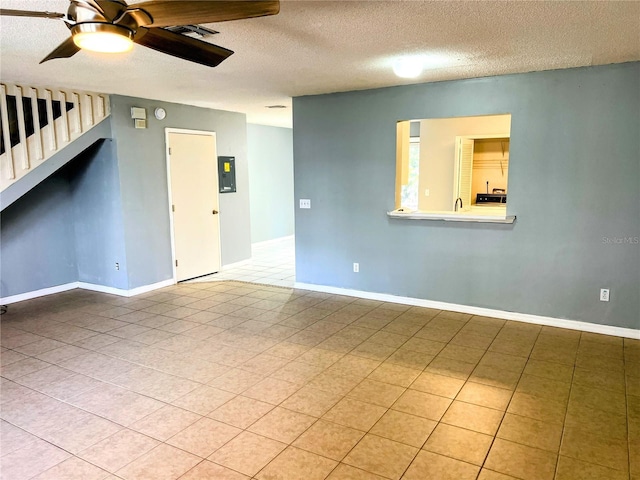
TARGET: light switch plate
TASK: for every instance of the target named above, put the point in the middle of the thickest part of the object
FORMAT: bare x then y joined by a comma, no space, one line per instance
305,203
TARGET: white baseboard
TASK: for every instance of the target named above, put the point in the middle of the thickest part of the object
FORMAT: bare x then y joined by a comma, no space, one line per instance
126,293
230,266
486,312
273,241
38,293
86,286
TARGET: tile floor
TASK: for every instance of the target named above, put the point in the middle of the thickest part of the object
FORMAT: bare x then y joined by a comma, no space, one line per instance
227,380
271,263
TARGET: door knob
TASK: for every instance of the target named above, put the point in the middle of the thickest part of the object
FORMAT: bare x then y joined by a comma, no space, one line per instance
215,212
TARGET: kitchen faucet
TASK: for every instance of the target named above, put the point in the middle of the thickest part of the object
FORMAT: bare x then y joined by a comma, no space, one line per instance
456,205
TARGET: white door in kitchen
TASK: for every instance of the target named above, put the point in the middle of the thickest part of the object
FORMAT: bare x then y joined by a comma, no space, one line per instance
193,197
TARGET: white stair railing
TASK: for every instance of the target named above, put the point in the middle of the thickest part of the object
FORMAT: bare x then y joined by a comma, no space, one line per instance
21,116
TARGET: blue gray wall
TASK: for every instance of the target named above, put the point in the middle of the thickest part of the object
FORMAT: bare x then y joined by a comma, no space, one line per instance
66,229
270,154
97,212
142,167
37,239
574,184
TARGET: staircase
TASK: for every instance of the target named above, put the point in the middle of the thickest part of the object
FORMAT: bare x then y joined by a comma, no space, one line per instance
40,124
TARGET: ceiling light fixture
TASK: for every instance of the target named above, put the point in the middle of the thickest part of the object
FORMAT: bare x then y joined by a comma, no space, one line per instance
408,67
102,37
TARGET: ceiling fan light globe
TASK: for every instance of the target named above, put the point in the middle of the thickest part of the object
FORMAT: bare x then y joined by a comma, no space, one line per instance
102,37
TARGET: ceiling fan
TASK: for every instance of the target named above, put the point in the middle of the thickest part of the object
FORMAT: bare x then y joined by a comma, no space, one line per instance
113,26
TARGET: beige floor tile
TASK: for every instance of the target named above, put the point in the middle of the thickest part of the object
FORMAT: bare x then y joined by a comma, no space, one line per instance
311,401
355,414
31,460
404,428
165,422
459,352
437,384
241,411
13,438
486,474
320,357
600,422
373,351
422,404
572,469
495,377
298,372
429,465
473,417
271,390
333,383
294,463
599,399
354,366
485,396
534,433
119,450
282,425
450,367
600,379
22,367
329,439
468,338
459,443
248,453
210,470
550,370
264,364
410,359
503,361
347,472
116,404
553,354
290,351
381,456
595,448
564,378
538,408
378,393
235,381
203,437
162,463
73,469
203,400
394,374
521,461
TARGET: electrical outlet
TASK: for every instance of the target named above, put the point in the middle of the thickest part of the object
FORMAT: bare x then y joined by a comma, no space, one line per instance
305,203
117,266
426,192
604,294
356,267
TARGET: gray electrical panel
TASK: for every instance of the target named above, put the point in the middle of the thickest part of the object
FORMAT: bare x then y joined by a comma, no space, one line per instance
227,174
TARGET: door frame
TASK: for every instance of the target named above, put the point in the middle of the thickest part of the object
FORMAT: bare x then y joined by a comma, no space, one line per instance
167,132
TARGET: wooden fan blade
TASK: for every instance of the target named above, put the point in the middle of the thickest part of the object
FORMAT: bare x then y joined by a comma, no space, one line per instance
182,46
65,50
26,13
167,13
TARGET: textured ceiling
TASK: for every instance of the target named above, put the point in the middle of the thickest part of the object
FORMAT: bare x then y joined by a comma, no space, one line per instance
316,47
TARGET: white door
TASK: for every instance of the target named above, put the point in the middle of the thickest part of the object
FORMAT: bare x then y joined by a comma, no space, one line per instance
464,171
194,198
